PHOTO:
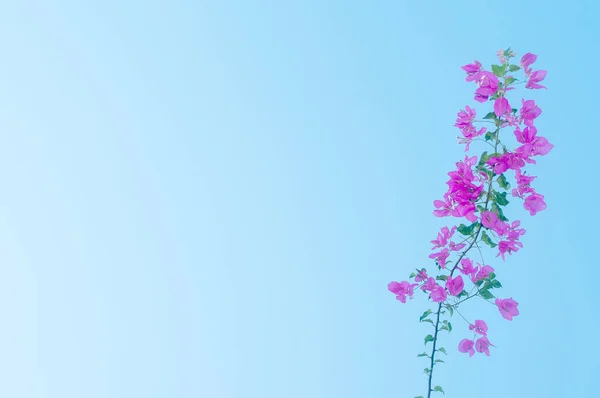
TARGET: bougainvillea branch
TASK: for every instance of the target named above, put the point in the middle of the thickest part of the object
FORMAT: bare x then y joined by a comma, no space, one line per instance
477,192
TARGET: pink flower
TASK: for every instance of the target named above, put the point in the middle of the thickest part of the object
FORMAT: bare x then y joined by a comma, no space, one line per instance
465,123
468,269
402,289
501,106
508,308
438,294
534,78
488,85
472,70
443,236
508,246
454,247
421,275
523,182
479,327
440,257
465,346
489,219
455,285
429,284
529,111
499,164
534,203
526,135
483,345
527,60
484,272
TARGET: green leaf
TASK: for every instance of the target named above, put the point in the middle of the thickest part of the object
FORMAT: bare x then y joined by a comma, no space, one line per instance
427,320
438,361
424,354
420,396
490,115
439,389
450,326
488,241
499,70
428,338
441,277
412,275
467,231
425,315
450,309
427,371
501,180
514,68
442,349
496,284
501,198
498,211
486,294
510,80
444,327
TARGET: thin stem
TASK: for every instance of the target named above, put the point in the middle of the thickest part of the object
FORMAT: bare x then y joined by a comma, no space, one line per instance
437,323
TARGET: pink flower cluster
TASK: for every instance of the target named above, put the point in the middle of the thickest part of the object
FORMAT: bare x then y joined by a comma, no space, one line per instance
443,240
488,82
402,289
464,122
511,232
534,77
482,344
472,194
464,188
475,273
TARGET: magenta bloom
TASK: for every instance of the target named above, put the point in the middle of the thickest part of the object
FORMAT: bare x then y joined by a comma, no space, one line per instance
529,111
488,85
484,272
483,345
501,106
527,60
465,123
508,246
440,257
443,236
500,164
421,275
455,285
465,346
534,203
402,289
534,78
472,70
532,144
489,219
468,268
508,308
525,136
438,294
429,284
479,327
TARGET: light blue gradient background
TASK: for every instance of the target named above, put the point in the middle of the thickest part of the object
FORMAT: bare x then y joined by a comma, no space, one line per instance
208,199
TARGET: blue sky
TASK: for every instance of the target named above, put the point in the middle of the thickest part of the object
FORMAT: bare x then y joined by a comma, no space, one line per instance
208,199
